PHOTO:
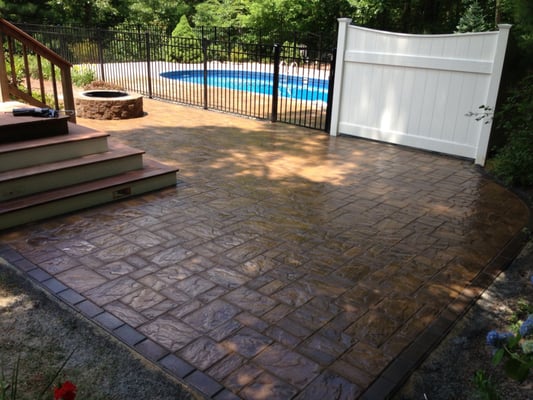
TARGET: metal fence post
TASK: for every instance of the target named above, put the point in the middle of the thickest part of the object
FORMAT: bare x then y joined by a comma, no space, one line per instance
100,54
331,88
148,63
275,83
205,44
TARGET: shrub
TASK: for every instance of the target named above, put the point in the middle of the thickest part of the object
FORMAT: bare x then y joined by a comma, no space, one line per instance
513,162
82,76
239,54
33,68
291,52
85,51
102,85
514,350
473,20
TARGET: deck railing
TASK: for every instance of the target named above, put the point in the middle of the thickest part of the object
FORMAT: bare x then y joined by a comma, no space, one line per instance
22,71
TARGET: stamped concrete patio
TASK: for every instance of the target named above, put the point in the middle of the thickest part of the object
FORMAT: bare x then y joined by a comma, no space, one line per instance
286,264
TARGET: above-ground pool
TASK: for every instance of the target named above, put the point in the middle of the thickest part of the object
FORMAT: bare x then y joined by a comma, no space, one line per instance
290,86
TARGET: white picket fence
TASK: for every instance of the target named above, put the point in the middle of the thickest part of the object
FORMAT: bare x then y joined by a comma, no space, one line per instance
416,90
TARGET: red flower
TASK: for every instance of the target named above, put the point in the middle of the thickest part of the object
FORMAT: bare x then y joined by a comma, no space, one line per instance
66,391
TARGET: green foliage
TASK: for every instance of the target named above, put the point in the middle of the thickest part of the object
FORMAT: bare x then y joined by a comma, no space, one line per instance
486,389
183,29
523,309
184,44
161,13
101,85
124,46
516,364
82,76
24,11
514,349
85,51
513,162
239,54
185,50
473,20
221,13
217,52
520,14
410,16
9,385
87,13
292,52
33,68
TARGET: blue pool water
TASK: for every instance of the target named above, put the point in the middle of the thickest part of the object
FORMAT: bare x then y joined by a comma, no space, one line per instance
290,86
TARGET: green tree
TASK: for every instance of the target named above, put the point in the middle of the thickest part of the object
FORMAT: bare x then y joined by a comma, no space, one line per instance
103,13
473,20
184,44
410,16
221,13
24,11
286,15
164,13
513,162
183,29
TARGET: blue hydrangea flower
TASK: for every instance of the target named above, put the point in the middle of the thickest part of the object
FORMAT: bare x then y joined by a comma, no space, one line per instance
498,339
492,338
527,327
527,346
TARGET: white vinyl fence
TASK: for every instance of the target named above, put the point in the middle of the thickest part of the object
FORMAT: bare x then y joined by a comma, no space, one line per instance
415,90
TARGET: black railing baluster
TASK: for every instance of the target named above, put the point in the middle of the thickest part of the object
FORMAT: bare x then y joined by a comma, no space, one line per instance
275,83
331,88
148,63
205,45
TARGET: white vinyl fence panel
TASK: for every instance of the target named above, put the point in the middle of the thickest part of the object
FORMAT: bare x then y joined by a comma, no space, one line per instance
416,90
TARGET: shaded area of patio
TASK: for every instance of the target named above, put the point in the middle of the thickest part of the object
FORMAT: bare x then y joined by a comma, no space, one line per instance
286,263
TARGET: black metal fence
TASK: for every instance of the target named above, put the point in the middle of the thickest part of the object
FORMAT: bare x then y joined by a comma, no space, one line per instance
286,78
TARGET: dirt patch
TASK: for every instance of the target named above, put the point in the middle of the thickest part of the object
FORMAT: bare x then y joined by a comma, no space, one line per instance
42,334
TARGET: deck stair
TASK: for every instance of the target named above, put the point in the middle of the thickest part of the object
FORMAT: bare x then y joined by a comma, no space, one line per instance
50,167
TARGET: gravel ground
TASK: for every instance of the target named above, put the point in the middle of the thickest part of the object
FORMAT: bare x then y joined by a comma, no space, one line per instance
42,334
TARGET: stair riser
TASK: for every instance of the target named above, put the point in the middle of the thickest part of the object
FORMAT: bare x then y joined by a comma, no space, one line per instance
37,183
46,154
86,200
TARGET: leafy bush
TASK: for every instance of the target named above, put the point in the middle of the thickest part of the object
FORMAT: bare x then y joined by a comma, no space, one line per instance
514,350
217,52
239,54
293,52
184,46
185,50
85,51
33,68
513,162
102,85
82,76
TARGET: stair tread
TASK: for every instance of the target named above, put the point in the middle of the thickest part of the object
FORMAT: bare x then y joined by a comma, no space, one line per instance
116,151
151,169
24,128
77,133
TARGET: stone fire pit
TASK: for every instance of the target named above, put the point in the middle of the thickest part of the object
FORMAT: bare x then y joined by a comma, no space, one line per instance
108,104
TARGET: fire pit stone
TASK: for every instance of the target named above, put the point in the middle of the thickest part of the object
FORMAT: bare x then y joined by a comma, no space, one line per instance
108,104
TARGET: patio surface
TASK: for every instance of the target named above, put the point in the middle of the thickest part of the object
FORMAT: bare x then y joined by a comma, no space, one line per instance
286,263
